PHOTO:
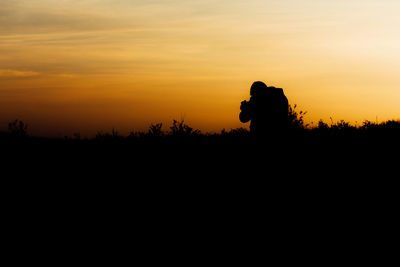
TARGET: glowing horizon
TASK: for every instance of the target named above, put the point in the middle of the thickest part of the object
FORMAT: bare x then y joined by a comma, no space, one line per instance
92,65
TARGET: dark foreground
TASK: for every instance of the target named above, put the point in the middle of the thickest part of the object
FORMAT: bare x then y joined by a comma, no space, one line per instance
307,196
297,155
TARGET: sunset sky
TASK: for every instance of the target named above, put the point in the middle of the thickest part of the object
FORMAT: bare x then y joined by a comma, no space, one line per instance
84,66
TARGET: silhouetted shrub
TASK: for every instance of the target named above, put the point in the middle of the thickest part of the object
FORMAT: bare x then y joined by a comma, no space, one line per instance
155,130
322,125
179,128
77,136
390,127
18,128
388,130
343,128
236,132
296,119
322,128
114,135
135,134
391,124
367,125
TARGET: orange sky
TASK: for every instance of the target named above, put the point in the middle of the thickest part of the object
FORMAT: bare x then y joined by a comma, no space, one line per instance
84,66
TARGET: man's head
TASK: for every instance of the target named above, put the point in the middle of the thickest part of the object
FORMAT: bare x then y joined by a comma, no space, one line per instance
257,86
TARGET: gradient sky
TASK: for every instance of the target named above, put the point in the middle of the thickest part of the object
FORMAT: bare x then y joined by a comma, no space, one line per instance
92,65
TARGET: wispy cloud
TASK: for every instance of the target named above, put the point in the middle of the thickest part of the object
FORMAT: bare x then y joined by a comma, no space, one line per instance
17,74
38,17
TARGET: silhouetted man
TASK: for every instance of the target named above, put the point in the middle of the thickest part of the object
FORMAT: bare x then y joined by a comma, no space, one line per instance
267,110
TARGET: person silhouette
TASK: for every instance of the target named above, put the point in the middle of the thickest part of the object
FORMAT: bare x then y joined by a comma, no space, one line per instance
267,109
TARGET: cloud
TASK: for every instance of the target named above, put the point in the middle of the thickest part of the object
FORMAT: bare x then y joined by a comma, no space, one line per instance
77,16
24,17
17,74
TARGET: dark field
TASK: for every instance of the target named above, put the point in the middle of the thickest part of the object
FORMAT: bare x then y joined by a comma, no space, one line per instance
338,159
310,186
338,149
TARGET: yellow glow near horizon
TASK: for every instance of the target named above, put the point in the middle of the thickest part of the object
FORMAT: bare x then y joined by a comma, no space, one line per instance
89,65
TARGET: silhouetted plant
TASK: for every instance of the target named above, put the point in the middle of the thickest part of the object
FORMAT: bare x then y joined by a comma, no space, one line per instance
322,125
391,127
296,119
99,135
391,124
321,128
114,135
368,125
155,130
18,128
77,136
235,132
343,127
179,128
134,134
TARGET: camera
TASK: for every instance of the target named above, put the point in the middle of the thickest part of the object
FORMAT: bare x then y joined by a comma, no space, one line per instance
243,105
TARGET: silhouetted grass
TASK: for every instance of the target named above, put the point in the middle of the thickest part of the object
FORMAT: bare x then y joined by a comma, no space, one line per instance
18,130
322,142
325,146
329,161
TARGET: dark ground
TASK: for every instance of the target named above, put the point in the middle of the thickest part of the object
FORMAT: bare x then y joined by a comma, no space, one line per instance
308,196
297,155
